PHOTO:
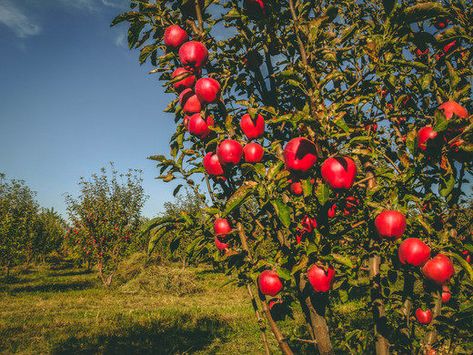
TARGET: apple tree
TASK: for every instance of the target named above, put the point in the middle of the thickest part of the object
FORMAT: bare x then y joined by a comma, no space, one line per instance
105,217
18,213
331,144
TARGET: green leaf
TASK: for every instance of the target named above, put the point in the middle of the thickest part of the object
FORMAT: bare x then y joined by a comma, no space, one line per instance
464,264
424,11
239,196
343,260
302,264
284,273
323,193
283,212
156,235
446,185
307,187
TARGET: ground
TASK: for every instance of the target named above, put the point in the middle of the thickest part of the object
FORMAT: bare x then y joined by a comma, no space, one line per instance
162,309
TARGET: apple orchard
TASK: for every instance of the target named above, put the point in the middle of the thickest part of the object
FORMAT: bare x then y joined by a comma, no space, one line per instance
331,145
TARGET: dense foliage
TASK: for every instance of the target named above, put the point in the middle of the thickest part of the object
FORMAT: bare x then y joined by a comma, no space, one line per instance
362,111
105,217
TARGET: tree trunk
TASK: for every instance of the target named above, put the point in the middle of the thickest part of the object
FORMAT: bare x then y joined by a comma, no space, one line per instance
260,320
316,316
379,314
106,280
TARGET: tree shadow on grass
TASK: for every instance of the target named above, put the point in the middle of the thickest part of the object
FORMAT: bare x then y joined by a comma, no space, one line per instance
177,335
51,287
71,273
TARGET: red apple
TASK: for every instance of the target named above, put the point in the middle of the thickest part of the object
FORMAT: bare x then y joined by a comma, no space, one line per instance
296,188
212,164
189,101
187,81
207,89
446,295
309,224
439,269
451,108
390,224
252,128
174,36
332,211
229,152
413,251
449,46
422,53
193,54
199,127
222,227
423,317
339,172
320,279
269,283
220,245
253,152
351,202
300,154
424,135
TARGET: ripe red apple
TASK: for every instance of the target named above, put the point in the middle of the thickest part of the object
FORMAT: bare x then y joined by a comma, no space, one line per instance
423,317
320,279
296,188
339,172
422,53
212,164
332,211
207,89
439,269
300,154
222,227
425,134
174,36
351,203
220,245
253,152
229,151
413,251
199,127
451,108
446,295
193,54
309,224
190,102
187,81
252,128
449,46
390,224
269,283
299,235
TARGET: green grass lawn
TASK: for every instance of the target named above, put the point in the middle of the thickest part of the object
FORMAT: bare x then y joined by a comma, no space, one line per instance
163,309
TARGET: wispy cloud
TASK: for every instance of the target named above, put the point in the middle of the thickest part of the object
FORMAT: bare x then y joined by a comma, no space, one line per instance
94,5
121,40
17,21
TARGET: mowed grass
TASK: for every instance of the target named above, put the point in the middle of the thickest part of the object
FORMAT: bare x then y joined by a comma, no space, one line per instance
161,310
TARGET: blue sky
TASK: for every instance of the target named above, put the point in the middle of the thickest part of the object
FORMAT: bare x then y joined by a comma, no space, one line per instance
73,98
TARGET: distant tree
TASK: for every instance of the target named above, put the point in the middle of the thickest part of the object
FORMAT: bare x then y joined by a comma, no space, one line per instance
18,210
173,241
49,233
105,216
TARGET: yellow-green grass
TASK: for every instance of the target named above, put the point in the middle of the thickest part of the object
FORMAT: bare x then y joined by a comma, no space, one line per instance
162,310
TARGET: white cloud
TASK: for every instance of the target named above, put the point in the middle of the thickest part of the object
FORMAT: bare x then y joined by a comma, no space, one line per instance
17,21
121,40
94,5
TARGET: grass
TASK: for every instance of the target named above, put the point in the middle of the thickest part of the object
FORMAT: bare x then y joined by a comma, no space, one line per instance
162,309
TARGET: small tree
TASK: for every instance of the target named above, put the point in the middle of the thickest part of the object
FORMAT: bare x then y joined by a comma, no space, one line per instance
105,216
18,210
50,229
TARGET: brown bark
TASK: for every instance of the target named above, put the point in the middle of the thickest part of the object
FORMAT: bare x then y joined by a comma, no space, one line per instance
272,324
431,336
316,316
261,323
379,314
